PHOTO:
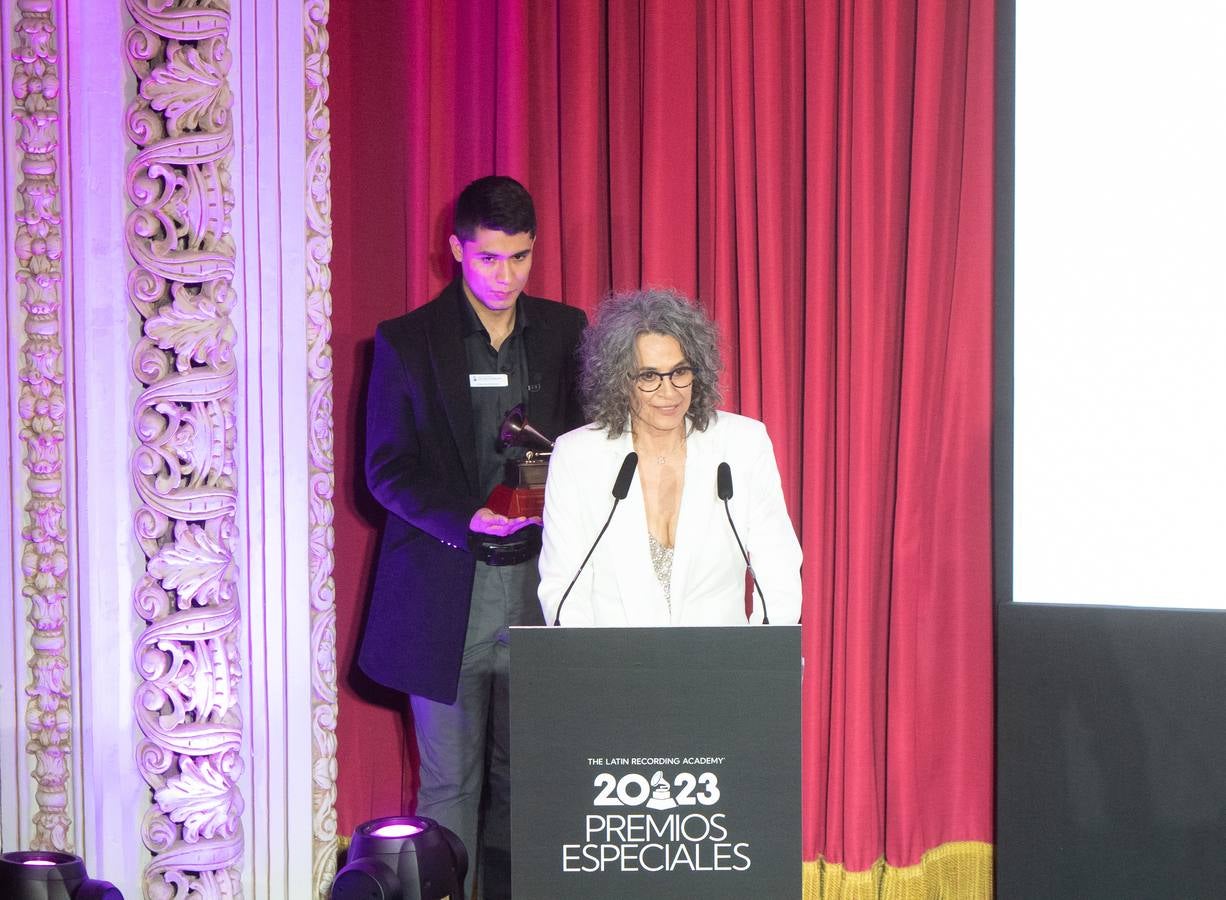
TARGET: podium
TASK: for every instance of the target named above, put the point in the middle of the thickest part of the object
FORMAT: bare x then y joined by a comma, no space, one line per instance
655,763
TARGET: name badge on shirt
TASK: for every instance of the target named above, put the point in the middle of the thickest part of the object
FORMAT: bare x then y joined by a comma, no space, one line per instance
499,379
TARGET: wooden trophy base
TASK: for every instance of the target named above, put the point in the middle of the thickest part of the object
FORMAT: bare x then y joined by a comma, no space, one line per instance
516,502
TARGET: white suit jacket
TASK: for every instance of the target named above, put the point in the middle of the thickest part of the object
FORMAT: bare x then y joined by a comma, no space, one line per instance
618,586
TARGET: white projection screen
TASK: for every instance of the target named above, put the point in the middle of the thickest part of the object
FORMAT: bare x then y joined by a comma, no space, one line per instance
1119,430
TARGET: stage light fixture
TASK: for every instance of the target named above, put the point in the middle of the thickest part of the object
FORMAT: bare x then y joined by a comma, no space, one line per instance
402,858
50,875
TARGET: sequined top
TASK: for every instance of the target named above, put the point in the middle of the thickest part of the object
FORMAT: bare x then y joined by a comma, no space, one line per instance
662,563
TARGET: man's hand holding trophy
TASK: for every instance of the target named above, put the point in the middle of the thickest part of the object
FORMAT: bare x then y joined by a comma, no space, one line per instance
511,520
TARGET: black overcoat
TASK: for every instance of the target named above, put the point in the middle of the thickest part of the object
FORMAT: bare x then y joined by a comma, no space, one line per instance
421,465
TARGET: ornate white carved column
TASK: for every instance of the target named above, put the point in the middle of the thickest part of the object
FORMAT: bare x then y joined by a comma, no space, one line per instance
167,668
108,559
232,227
320,446
190,655
283,237
36,680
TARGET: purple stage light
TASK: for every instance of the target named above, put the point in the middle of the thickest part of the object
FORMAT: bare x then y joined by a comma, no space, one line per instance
39,858
397,830
50,875
402,858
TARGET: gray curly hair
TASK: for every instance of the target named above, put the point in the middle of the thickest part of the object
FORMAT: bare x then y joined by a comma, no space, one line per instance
609,361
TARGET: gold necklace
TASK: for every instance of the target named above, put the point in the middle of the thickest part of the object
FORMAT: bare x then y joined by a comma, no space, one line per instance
664,458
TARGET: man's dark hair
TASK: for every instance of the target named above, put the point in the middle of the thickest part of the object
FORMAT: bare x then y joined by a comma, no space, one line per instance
495,202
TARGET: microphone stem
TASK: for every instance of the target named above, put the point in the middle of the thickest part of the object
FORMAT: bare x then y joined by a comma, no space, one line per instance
557,617
766,619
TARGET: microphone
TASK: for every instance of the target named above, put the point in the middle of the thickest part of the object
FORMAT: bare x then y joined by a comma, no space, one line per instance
621,487
723,490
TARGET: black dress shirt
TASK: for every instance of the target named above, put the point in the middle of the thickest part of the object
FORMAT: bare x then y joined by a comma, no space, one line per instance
491,404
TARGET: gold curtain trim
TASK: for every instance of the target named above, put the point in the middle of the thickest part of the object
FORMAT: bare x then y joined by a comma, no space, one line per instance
960,870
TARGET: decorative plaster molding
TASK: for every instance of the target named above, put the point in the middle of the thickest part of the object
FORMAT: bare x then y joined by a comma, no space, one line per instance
320,448
178,234
42,405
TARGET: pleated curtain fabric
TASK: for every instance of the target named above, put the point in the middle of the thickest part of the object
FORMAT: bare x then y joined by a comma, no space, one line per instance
820,175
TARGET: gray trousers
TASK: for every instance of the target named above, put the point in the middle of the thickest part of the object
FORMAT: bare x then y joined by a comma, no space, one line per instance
464,747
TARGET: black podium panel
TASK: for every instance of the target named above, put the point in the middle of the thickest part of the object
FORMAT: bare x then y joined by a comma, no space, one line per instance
655,763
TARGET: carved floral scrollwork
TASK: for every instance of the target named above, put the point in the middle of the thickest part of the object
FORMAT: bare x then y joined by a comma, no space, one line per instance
319,446
42,406
178,234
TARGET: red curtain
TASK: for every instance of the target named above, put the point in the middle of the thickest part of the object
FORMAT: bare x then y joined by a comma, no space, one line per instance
820,174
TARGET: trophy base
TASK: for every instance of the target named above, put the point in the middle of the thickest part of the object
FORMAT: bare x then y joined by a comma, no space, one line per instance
511,550
515,502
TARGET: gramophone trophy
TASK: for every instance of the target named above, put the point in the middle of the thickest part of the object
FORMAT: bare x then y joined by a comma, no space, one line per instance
522,493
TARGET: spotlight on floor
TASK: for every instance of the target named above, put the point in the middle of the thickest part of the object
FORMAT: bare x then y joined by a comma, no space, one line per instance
402,858
48,875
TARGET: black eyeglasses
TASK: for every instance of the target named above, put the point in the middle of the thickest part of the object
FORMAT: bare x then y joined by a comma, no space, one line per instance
650,380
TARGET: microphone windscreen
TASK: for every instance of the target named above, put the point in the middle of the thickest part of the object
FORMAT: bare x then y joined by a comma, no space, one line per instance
621,487
723,481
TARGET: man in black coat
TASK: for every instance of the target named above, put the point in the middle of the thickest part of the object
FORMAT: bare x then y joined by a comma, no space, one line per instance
442,378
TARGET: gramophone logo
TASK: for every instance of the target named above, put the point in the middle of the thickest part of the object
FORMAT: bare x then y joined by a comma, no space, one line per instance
661,792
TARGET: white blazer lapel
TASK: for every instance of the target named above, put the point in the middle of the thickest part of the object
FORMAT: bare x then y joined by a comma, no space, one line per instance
642,597
693,522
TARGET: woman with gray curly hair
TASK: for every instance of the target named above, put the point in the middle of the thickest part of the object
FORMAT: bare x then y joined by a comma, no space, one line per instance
650,378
